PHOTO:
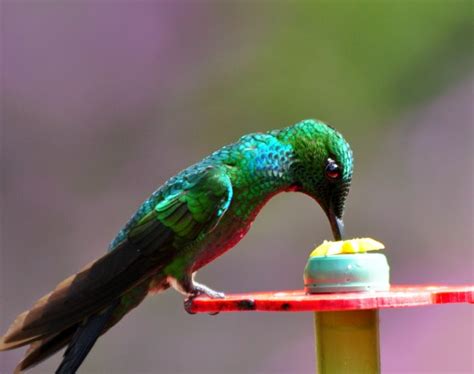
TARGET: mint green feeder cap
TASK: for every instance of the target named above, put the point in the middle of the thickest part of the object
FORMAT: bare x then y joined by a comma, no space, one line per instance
347,273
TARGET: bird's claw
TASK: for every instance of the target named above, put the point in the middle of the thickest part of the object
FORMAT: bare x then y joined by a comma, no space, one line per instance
188,302
214,294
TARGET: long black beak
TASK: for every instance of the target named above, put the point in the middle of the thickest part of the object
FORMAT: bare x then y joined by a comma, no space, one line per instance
337,225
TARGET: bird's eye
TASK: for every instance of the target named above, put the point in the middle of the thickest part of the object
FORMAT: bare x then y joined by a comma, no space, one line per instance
333,171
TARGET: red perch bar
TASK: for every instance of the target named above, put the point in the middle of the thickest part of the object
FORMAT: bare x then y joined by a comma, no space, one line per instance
297,301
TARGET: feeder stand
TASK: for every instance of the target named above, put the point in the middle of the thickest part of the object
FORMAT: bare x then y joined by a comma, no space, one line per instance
346,319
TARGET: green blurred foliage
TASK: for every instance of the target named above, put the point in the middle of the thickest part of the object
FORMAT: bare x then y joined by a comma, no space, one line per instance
354,63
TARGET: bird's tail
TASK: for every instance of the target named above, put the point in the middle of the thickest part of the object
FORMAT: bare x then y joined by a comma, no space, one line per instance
42,349
84,339
81,337
82,307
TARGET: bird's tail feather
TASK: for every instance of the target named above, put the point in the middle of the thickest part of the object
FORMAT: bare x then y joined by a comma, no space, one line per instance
40,350
81,337
86,293
84,339
123,274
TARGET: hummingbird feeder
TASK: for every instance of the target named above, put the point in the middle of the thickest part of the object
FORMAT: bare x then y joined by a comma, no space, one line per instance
345,288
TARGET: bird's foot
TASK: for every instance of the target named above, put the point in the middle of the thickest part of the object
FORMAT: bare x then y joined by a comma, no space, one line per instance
198,290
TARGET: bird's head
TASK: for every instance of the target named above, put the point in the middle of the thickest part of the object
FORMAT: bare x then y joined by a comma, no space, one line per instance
322,167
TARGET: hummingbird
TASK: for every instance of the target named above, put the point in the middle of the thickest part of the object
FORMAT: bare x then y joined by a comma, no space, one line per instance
190,220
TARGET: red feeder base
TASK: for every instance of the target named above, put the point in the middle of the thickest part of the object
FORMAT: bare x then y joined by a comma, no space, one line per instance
298,301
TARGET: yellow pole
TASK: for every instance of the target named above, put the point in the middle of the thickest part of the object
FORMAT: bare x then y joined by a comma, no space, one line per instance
347,342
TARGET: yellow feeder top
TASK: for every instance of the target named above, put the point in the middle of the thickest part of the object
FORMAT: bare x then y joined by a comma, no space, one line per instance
358,245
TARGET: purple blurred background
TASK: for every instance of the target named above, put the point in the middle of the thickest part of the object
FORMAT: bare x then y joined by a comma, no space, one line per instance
103,101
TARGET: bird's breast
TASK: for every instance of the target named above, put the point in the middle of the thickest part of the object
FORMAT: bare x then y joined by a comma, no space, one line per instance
233,226
225,235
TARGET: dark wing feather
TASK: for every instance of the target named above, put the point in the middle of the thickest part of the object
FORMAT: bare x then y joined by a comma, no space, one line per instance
150,245
85,293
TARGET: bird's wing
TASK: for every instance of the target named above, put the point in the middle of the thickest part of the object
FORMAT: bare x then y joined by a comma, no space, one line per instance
194,210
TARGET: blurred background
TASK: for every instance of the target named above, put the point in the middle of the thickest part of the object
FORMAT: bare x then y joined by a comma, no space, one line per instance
103,101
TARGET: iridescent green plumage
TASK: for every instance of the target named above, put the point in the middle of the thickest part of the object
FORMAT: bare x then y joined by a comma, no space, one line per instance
193,218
